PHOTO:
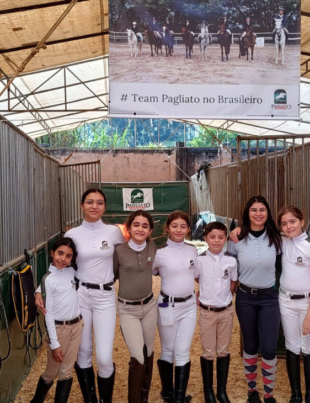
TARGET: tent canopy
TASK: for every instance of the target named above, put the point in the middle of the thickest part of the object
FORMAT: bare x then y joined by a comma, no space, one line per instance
66,83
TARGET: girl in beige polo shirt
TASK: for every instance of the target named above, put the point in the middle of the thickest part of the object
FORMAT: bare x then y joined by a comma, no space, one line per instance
136,304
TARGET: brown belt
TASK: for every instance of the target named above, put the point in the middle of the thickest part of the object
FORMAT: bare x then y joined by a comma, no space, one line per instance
68,322
210,308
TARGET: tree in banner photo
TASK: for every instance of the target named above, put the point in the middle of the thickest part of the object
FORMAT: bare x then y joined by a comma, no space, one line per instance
206,43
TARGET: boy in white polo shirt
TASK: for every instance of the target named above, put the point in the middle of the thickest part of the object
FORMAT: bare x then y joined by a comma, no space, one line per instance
217,276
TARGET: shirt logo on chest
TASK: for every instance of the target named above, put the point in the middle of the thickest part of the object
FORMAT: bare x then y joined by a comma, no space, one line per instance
105,245
299,261
191,264
225,273
73,283
149,260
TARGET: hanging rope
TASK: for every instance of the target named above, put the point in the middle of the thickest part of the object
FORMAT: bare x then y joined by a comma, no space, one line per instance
40,45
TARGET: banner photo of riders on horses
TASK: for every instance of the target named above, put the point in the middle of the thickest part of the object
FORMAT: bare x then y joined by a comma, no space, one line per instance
205,59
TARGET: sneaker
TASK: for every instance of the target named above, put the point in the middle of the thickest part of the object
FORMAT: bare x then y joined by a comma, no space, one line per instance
253,397
270,399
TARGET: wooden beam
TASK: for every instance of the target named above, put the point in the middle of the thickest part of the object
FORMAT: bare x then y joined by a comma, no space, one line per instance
33,44
36,7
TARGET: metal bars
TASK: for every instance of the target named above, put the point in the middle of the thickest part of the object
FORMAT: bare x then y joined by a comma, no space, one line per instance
75,179
29,208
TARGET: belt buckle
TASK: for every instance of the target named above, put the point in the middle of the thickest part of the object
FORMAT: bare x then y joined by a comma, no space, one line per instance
254,291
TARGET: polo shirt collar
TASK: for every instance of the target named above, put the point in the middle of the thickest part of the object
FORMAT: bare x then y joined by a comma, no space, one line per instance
220,255
176,245
92,225
252,237
300,238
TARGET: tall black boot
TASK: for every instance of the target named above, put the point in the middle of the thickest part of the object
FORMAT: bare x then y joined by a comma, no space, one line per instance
180,384
165,369
147,379
222,367
207,378
293,371
307,376
41,391
63,389
135,379
86,378
105,387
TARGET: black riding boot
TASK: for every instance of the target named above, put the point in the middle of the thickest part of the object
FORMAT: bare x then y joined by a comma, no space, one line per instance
207,378
63,389
105,387
293,371
165,369
41,391
135,379
307,376
180,383
86,378
147,379
222,367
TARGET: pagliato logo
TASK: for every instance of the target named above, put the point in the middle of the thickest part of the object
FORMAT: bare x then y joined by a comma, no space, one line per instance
137,196
279,102
138,199
280,97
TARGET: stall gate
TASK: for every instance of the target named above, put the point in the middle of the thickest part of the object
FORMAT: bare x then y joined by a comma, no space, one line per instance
75,179
282,176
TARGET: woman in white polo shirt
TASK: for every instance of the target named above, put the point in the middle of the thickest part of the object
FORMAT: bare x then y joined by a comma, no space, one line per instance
95,242
257,305
174,262
294,298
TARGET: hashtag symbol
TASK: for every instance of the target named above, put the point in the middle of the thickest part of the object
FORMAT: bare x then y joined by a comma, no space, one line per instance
124,97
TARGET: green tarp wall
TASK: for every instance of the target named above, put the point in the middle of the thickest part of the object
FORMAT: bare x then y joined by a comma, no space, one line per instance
167,197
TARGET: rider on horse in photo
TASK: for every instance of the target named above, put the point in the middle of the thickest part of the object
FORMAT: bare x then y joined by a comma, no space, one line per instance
202,27
189,28
226,22
246,27
135,29
281,16
169,25
154,27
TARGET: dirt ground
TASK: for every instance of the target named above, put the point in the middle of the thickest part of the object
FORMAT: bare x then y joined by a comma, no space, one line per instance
237,388
179,70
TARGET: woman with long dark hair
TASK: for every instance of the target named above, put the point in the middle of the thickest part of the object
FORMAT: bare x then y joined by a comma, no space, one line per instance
257,305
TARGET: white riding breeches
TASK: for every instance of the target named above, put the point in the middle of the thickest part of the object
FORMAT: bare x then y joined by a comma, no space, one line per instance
176,326
293,312
98,309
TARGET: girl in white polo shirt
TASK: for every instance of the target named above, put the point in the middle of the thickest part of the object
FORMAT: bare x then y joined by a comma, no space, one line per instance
63,322
174,262
294,298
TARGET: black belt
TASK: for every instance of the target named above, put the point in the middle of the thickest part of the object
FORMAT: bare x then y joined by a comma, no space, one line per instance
168,298
68,322
256,291
210,308
299,296
142,302
106,287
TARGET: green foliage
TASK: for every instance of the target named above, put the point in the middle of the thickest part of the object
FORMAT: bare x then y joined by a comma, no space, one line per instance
207,138
262,12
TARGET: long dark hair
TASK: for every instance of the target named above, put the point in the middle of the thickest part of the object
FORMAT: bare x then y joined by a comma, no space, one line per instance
270,227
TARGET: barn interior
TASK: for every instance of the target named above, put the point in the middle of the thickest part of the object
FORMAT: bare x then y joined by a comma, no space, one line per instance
54,78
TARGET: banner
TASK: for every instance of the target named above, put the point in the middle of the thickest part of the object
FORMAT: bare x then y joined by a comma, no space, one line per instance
138,199
236,59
